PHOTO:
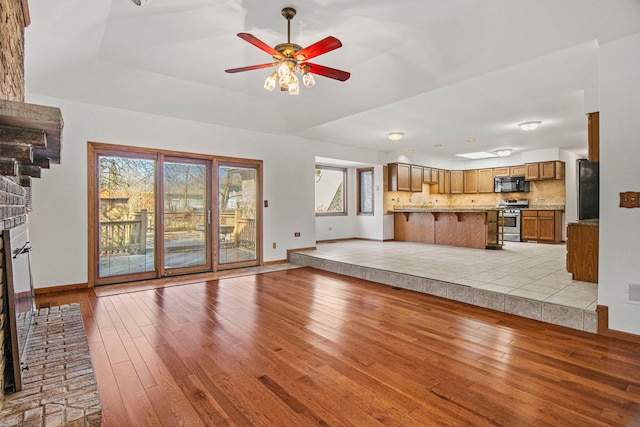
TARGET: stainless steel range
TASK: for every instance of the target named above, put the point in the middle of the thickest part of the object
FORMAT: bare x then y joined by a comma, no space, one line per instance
511,217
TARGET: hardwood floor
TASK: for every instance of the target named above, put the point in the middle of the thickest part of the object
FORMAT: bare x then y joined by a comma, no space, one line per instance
304,347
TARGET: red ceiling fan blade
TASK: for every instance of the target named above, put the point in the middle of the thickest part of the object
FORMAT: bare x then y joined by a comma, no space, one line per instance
251,67
260,44
318,48
321,70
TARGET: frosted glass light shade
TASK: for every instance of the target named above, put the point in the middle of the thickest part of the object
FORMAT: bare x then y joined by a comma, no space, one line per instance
308,80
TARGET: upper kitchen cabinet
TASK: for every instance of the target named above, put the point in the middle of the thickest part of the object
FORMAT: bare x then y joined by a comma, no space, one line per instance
594,137
457,179
404,177
426,175
470,181
485,181
444,181
519,170
544,170
399,177
499,172
416,178
509,171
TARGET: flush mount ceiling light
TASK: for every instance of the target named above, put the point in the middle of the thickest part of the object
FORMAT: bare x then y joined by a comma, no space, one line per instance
477,155
530,125
503,153
395,136
291,59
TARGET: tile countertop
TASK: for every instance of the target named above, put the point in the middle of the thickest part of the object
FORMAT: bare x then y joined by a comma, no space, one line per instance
446,209
545,208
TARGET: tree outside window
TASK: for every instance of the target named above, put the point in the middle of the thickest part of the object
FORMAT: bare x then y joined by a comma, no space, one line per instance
331,191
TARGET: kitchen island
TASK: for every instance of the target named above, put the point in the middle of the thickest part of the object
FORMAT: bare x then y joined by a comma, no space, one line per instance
478,228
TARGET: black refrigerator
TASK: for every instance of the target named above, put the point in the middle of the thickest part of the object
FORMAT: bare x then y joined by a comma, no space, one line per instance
588,189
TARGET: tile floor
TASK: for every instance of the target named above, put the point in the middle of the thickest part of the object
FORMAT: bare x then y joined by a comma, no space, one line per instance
523,278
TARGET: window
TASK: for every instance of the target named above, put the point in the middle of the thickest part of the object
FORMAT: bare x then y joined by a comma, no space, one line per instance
331,191
365,191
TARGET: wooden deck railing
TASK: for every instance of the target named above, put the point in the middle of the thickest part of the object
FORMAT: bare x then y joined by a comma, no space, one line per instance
130,237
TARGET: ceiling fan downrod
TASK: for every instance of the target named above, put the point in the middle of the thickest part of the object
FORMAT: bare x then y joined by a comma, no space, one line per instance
288,13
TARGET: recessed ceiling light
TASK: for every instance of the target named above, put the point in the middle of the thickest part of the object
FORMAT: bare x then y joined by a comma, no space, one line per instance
438,145
530,125
395,136
410,150
477,155
471,140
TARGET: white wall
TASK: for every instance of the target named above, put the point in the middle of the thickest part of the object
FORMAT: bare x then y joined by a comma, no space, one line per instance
58,223
353,225
619,172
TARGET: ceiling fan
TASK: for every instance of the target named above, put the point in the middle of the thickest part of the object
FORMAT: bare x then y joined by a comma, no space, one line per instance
291,58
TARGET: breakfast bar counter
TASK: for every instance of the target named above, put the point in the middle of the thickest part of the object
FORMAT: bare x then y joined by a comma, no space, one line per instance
478,228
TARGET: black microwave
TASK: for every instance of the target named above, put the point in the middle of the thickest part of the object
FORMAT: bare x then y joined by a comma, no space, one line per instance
511,184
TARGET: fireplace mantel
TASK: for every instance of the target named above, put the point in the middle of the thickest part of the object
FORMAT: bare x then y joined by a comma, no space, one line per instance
30,139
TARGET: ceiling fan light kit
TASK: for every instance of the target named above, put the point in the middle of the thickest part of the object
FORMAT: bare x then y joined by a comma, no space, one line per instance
291,59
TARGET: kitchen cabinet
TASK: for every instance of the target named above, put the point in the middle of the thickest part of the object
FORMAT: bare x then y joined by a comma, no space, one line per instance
531,172
416,178
457,178
541,226
434,175
544,170
470,181
582,251
444,181
594,136
505,171
399,177
517,170
426,175
485,181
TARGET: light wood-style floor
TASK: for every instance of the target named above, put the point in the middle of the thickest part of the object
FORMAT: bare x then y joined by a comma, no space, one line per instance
303,347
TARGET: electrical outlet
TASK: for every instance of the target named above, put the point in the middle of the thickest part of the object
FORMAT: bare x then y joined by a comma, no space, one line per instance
274,245
296,234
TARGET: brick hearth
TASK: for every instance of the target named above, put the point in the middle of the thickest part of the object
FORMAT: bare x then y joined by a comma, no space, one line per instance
59,388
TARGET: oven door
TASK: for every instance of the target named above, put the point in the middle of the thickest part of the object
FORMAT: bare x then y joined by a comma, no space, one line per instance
511,224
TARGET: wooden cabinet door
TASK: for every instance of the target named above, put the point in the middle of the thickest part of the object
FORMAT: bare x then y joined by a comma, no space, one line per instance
426,175
399,177
546,226
519,170
470,181
501,171
547,170
485,181
594,137
456,182
531,172
434,175
416,178
444,182
529,225
404,177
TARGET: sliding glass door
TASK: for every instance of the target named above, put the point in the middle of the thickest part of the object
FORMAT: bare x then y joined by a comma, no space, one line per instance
154,214
238,214
186,216
126,205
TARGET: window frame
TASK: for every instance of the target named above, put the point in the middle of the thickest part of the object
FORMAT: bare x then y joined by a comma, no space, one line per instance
359,191
345,187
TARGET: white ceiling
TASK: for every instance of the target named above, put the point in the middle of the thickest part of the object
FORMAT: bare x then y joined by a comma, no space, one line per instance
442,71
